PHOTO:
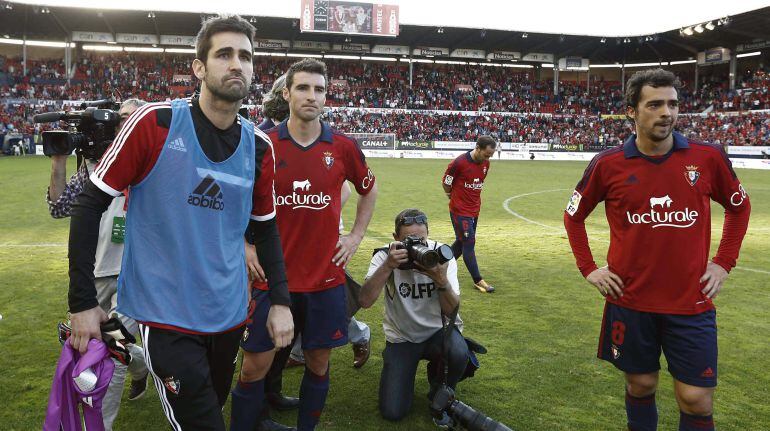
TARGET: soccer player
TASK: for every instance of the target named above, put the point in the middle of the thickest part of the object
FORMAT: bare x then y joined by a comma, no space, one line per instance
658,282
197,173
312,162
463,181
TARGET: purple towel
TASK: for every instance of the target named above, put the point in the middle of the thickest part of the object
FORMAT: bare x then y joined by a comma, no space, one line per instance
66,396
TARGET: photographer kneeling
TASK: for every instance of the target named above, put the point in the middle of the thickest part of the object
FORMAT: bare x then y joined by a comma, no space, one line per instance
417,298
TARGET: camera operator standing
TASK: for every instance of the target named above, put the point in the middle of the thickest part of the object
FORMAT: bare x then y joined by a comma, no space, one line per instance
109,251
416,302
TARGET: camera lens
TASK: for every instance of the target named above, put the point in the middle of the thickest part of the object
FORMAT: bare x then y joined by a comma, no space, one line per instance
425,256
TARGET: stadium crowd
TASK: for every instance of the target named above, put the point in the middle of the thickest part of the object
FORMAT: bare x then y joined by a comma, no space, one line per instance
353,84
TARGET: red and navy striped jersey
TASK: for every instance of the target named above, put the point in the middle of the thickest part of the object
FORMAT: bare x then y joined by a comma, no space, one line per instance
659,214
466,178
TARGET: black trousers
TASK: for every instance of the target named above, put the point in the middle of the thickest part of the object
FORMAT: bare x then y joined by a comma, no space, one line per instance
192,373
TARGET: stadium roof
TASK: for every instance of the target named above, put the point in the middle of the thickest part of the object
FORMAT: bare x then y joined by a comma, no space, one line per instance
610,18
743,28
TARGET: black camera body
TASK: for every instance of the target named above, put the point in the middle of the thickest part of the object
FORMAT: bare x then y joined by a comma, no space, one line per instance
89,131
463,416
419,252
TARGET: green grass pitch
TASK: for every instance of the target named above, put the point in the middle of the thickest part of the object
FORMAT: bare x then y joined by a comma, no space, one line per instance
540,326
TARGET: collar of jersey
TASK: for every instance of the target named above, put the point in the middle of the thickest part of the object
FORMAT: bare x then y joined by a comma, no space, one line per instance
631,150
326,134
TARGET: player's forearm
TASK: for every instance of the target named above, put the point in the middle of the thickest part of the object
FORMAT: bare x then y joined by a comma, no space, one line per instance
270,254
373,285
84,235
58,177
578,241
364,212
734,229
447,189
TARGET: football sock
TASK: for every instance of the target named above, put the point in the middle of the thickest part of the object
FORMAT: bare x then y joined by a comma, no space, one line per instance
312,397
642,412
469,257
248,398
695,423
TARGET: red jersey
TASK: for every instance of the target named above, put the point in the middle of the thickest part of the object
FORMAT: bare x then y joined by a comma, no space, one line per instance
466,178
133,153
659,213
308,203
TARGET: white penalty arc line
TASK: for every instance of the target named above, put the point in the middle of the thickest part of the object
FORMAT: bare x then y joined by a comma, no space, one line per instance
517,215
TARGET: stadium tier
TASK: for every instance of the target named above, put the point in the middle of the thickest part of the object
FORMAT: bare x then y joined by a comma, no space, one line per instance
491,92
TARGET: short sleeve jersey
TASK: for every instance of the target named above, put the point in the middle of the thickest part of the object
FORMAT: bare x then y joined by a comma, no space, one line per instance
308,203
659,214
412,308
466,178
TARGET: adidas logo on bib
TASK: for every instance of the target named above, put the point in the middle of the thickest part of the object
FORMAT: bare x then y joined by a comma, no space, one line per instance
177,144
208,194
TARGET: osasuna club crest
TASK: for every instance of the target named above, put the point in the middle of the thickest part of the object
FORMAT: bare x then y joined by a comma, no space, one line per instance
172,385
615,352
692,174
485,170
328,159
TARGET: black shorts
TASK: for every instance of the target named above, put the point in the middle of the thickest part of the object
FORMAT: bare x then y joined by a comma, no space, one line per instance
192,374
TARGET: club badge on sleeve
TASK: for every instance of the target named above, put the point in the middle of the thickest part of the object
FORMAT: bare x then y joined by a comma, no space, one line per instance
574,203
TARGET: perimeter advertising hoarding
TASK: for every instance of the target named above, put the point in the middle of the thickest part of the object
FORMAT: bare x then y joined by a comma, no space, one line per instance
425,145
335,16
375,141
566,147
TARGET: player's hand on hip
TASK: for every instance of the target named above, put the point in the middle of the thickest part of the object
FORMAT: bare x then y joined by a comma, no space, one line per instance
606,282
85,325
280,325
256,273
346,248
714,277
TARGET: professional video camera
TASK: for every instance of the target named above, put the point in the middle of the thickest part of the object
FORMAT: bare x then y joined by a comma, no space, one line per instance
419,252
89,131
461,415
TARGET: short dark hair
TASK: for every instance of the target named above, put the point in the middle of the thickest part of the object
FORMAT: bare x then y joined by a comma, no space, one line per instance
309,65
274,106
409,212
652,77
221,24
485,141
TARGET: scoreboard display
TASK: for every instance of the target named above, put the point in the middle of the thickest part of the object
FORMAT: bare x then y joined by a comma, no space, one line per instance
349,17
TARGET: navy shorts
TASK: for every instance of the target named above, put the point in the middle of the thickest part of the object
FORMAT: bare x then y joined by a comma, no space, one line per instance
632,340
464,227
256,339
321,318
